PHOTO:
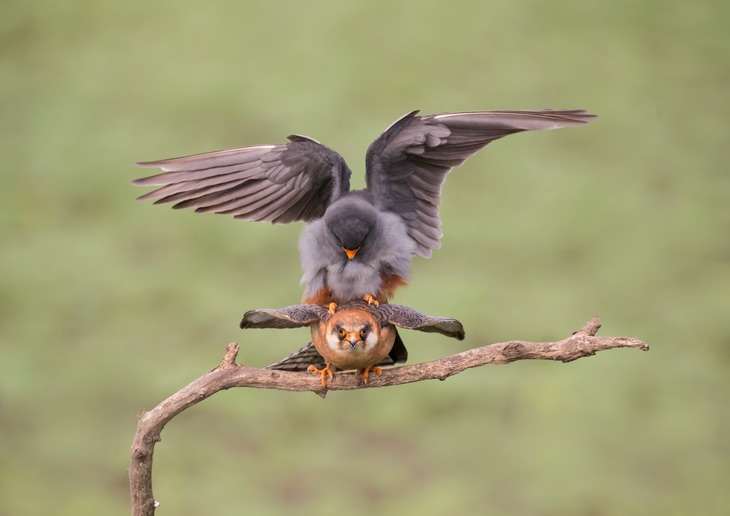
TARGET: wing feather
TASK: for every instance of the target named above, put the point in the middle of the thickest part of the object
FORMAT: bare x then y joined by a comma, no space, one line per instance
295,316
408,163
279,183
235,197
405,317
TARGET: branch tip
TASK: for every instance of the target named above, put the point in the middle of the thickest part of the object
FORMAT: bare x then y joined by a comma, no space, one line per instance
591,327
229,360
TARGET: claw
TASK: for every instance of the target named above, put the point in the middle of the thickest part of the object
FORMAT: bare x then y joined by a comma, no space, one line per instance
371,300
324,373
366,370
331,308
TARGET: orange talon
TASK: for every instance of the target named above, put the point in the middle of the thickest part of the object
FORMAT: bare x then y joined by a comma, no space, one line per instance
366,370
331,308
371,300
324,373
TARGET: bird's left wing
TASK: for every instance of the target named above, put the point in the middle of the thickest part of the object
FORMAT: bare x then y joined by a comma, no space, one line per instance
273,183
295,316
405,317
408,163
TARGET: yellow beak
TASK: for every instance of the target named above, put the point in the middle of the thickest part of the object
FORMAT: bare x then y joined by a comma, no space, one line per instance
351,252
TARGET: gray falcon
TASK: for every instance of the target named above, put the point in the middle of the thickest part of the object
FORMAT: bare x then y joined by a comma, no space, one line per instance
356,244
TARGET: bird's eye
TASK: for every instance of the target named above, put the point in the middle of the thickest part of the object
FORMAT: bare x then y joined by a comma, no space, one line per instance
363,333
342,333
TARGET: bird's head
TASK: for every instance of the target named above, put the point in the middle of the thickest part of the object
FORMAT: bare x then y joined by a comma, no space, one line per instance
352,330
351,225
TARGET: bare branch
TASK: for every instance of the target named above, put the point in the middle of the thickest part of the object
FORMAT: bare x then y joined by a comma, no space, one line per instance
228,374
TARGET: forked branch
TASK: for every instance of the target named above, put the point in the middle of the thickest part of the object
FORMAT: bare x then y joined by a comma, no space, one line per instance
228,374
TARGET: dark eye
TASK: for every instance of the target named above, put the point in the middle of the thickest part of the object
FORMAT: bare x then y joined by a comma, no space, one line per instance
342,333
363,333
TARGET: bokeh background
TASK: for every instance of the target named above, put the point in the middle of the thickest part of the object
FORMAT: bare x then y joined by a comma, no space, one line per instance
108,306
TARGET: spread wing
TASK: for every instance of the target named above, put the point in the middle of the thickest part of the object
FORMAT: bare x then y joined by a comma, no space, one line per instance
295,316
408,163
273,183
405,317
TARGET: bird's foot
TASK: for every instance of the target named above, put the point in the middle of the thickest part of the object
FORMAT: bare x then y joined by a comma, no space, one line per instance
331,308
324,373
365,371
370,300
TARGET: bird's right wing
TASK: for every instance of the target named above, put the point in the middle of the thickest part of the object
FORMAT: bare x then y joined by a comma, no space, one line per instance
295,316
273,183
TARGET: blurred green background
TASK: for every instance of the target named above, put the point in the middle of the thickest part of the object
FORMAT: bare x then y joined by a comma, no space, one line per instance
108,306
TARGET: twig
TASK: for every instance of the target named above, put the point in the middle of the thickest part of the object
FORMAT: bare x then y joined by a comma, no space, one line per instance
228,374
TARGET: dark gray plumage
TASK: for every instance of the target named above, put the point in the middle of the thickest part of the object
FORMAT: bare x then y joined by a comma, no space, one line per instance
358,243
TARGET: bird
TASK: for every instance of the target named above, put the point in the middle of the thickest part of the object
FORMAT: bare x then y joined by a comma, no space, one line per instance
356,244
356,336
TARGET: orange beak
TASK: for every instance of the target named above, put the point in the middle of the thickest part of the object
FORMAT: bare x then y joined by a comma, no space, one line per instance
351,252
353,338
